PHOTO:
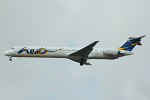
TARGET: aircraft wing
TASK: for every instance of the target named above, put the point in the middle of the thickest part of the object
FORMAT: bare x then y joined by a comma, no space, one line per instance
81,55
84,52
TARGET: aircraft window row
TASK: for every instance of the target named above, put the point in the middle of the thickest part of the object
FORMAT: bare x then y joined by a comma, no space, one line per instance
53,49
64,49
69,50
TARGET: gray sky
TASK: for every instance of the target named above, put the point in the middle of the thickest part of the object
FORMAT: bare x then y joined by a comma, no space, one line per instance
74,23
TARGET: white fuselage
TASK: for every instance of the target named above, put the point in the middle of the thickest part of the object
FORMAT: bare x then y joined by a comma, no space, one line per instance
64,52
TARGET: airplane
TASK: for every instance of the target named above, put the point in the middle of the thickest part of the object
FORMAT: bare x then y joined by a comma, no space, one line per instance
80,55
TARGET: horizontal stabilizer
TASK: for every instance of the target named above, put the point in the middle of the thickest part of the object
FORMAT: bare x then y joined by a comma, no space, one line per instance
137,40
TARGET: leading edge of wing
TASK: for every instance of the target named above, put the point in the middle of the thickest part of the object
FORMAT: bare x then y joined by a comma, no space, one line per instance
84,52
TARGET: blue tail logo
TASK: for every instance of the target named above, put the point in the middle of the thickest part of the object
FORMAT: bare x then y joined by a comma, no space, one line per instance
131,43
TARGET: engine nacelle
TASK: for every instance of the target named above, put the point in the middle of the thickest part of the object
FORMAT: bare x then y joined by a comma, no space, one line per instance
110,52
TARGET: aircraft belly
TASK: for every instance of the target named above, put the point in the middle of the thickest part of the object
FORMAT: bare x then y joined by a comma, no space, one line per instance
93,56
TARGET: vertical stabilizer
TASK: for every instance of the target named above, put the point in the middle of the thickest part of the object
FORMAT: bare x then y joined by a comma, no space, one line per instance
131,43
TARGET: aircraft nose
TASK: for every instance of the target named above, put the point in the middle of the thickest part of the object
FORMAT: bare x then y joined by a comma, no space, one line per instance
6,53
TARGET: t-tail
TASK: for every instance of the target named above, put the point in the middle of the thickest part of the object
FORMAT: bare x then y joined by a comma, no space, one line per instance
131,43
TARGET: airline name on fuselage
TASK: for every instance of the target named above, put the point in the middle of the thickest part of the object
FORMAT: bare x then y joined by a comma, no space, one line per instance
37,51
